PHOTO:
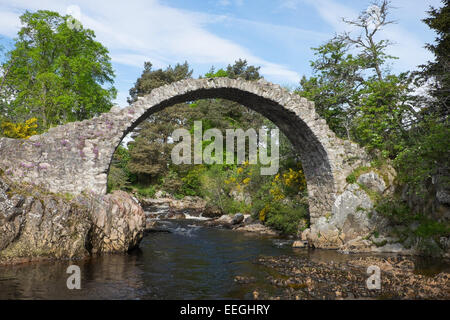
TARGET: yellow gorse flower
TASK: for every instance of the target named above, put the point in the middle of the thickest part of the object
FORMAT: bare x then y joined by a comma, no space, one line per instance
19,130
262,213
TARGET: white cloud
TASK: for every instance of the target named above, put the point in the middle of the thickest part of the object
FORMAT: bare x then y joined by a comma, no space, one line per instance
281,30
418,11
279,72
136,60
407,46
9,23
289,4
225,3
136,30
333,12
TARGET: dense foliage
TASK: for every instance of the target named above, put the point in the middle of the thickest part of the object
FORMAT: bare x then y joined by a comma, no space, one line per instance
54,73
436,74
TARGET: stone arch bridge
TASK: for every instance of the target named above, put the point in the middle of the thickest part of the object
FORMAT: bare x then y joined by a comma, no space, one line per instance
75,157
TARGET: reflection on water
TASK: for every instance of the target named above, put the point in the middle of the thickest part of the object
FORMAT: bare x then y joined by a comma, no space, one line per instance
192,262
114,276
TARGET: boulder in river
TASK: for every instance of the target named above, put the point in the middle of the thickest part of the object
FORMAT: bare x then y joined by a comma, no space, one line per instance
223,221
238,218
193,206
118,224
300,244
257,227
212,211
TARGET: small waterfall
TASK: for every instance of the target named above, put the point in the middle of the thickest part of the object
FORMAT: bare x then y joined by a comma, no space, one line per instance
200,217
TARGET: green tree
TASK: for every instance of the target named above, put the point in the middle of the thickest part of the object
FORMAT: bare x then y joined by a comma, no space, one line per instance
151,79
335,86
427,155
354,89
55,73
436,74
150,150
120,176
381,117
427,152
241,69
226,114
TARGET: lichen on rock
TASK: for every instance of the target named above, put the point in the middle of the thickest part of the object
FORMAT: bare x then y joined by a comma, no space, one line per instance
353,219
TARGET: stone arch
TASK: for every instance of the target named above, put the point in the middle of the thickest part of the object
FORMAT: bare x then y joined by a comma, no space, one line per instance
76,157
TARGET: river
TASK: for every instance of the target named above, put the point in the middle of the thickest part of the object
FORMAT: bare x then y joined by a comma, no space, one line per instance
189,262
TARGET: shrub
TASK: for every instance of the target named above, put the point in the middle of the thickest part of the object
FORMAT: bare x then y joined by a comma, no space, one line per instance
430,228
22,130
396,210
353,177
171,182
427,232
148,191
192,182
232,206
285,218
117,179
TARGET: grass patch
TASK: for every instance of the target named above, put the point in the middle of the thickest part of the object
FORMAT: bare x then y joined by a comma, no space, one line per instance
379,166
145,191
353,177
380,244
425,235
430,228
373,195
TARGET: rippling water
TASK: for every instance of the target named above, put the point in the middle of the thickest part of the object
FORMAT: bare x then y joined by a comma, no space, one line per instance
191,262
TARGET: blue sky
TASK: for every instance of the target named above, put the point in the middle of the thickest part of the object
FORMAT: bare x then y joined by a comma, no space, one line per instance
274,34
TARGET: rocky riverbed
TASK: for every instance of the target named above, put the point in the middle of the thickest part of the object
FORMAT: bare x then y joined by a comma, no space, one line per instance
195,208
301,278
167,207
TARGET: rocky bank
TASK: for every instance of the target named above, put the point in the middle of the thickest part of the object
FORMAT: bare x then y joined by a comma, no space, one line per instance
354,225
39,225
